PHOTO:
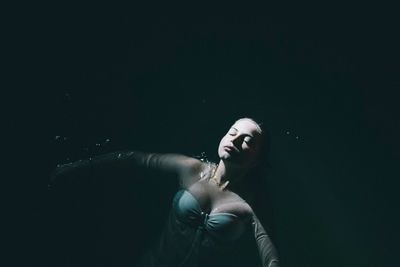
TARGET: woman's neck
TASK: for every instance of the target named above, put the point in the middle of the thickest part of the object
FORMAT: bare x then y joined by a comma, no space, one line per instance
227,173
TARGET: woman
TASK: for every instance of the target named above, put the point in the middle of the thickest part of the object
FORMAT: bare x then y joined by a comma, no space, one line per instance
208,217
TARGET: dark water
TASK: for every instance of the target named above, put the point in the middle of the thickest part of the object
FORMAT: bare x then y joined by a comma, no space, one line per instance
322,79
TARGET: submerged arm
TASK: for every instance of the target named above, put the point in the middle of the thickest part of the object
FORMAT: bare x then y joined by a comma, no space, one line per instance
266,249
178,164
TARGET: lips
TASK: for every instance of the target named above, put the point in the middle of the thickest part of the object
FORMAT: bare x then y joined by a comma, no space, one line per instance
230,149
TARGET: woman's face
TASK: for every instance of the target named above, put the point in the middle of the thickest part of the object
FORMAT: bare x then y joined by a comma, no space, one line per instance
241,143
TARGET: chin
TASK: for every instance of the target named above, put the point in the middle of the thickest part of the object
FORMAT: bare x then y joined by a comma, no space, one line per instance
228,156
224,157
233,161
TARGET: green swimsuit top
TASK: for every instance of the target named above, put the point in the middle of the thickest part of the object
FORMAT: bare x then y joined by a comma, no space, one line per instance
220,225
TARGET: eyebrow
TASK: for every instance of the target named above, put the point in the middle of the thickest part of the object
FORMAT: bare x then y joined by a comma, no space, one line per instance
244,134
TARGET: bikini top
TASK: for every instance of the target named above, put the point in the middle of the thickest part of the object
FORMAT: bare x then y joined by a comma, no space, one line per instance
223,226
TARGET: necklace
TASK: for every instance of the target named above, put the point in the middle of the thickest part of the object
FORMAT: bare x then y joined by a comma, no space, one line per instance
212,169
221,186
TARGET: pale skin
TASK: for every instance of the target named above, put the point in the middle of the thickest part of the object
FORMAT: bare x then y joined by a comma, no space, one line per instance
238,151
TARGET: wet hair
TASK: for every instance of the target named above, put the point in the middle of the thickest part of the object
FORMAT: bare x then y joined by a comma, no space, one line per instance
254,187
252,120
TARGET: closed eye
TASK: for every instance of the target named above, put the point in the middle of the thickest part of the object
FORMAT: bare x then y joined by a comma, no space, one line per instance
232,131
248,141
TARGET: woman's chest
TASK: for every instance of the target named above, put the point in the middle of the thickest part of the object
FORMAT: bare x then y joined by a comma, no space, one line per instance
210,200
221,217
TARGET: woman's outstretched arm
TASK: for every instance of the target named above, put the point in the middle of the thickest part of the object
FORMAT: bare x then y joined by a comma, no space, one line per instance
266,249
181,165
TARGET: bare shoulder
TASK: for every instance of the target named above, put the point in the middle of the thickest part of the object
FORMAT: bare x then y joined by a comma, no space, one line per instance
193,166
191,171
246,210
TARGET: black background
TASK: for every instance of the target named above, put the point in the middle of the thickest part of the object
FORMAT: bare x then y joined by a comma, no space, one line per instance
323,78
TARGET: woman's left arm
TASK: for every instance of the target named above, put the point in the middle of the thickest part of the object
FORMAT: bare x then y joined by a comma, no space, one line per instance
266,249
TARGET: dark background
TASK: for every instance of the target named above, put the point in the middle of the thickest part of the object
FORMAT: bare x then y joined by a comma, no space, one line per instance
323,78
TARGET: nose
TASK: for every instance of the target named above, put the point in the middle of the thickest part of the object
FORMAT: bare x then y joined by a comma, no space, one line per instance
236,141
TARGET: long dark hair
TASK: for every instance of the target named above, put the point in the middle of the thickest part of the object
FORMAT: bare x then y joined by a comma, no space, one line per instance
254,187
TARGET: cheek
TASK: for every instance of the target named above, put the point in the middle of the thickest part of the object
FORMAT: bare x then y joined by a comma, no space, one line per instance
221,144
